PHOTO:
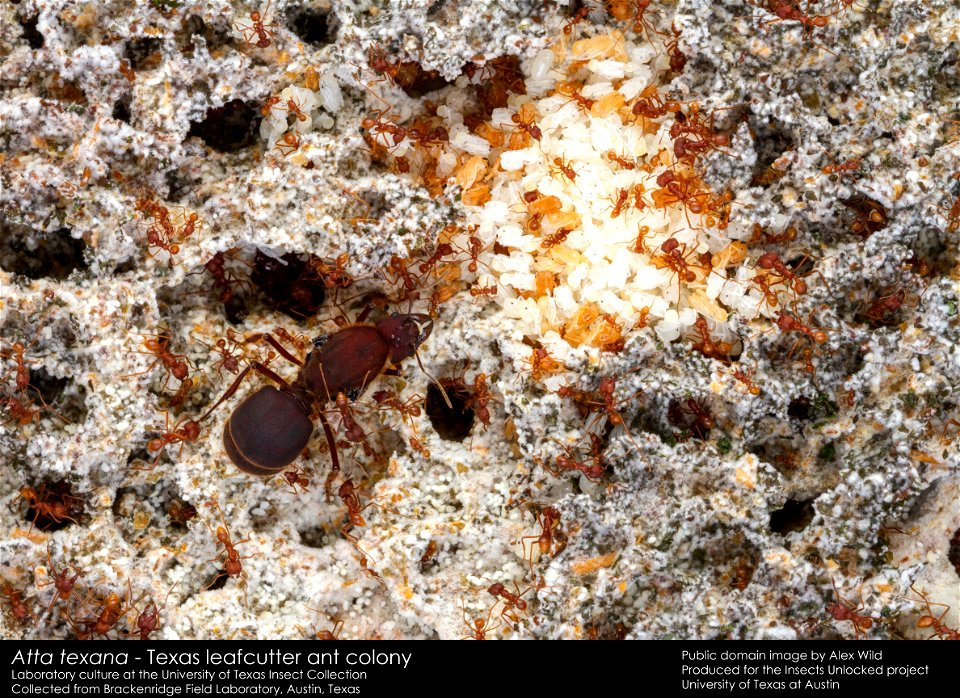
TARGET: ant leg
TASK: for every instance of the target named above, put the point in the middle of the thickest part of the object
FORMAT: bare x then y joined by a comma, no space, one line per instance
335,467
269,339
231,391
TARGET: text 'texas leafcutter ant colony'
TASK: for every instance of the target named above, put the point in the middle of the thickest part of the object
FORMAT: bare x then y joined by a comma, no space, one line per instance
620,319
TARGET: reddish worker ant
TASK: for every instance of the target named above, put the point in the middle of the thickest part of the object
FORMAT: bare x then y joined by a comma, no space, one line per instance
479,627
184,431
149,618
524,121
842,611
935,623
61,581
111,609
510,600
257,28
594,470
54,505
20,611
549,520
229,558
175,365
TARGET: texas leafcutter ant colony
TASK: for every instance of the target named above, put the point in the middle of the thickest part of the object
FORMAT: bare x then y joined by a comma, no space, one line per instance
573,319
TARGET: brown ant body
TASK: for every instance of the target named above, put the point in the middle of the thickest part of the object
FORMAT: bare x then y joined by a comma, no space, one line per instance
620,203
692,415
342,363
295,478
747,380
477,291
479,398
418,447
770,296
149,618
294,109
651,106
849,168
678,59
224,281
407,410
333,634
692,135
788,323
289,143
228,348
428,554
771,261
351,500
685,190
620,160
569,89
882,310
377,125
21,410
557,238
675,258
21,372
269,105
953,215
569,26
565,168
788,234
541,362
602,401
111,609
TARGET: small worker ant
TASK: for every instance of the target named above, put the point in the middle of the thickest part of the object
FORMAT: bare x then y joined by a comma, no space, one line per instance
61,580
19,609
185,430
511,601
257,28
479,627
843,611
229,557
935,623
549,520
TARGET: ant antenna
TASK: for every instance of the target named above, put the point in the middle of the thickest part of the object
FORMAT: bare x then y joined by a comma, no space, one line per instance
437,383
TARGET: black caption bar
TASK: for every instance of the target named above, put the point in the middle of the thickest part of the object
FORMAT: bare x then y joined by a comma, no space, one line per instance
284,668
206,668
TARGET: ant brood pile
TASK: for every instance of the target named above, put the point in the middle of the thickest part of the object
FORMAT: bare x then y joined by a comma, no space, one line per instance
581,179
